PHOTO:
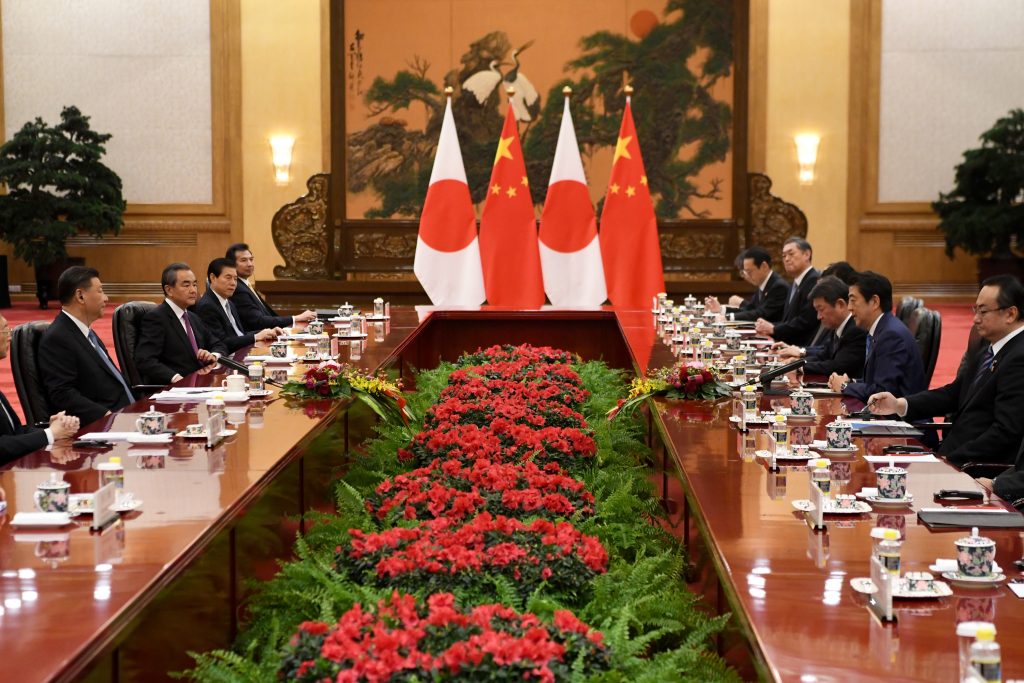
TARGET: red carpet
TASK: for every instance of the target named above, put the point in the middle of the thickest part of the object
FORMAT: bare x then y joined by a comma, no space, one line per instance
956,324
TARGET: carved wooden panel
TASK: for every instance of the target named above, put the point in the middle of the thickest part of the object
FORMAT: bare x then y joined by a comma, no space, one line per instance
300,233
772,219
383,245
692,245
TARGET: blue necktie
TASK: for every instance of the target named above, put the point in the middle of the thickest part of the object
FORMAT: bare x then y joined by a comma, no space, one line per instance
867,346
110,364
984,367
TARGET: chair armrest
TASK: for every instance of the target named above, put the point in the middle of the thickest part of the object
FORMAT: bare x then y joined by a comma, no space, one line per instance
988,470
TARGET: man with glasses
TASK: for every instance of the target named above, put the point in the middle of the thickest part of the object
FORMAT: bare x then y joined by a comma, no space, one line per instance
768,301
799,319
985,399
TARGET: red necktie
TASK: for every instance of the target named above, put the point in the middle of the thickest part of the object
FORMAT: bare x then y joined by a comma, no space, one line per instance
191,336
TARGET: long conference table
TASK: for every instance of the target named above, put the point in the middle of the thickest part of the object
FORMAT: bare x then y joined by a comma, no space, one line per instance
128,602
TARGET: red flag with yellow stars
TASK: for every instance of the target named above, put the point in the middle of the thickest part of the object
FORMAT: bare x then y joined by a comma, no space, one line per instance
508,229
629,230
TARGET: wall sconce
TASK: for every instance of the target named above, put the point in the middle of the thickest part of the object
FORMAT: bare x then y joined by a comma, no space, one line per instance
806,155
281,151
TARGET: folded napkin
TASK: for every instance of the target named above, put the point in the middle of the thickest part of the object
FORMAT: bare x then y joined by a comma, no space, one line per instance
106,436
902,458
40,519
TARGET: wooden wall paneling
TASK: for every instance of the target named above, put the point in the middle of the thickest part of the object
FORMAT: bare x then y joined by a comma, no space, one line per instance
898,239
157,234
757,107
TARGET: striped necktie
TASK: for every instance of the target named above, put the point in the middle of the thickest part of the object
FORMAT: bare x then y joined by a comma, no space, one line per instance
984,367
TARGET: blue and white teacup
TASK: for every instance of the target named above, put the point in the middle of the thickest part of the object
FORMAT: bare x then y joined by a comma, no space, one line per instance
279,350
315,327
891,482
975,555
732,341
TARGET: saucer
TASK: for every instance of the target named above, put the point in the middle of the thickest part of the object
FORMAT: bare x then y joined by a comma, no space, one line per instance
259,393
81,504
823,447
149,438
377,318
272,360
866,586
350,335
858,508
890,502
802,418
782,458
973,581
202,435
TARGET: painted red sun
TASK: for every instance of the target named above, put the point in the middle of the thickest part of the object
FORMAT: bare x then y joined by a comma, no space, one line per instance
642,23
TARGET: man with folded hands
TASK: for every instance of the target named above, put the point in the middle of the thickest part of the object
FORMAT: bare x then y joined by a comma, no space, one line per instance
219,313
986,397
841,347
892,360
173,341
799,318
768,301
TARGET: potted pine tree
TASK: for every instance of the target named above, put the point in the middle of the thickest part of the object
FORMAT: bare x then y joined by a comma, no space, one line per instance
984,213
56,187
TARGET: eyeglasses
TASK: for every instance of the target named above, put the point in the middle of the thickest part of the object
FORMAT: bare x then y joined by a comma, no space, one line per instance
980,312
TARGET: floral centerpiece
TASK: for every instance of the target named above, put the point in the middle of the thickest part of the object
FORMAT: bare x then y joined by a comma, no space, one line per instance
404,639
680,381
333,380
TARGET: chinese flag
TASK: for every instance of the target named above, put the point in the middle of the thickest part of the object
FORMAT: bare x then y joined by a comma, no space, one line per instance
508,229
629,230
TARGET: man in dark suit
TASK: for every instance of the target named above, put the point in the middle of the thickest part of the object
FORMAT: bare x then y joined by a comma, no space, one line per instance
841,348
984,400
79,375
892,360
174,342
255,312
799,319
17,439
769,299
219,313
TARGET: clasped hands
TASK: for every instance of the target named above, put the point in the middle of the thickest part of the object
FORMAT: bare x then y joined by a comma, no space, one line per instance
64,426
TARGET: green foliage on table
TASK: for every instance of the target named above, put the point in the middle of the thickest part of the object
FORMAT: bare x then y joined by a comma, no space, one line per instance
56,187
984,212
653,626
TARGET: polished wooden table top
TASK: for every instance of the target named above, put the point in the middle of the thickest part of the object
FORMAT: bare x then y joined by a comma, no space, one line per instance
789,585
66,592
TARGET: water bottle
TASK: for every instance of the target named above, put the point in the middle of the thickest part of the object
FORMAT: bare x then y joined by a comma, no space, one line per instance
985,656
256,377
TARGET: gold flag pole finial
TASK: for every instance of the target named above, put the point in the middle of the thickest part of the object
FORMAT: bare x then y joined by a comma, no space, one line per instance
567,91
449,90
510,91
628,89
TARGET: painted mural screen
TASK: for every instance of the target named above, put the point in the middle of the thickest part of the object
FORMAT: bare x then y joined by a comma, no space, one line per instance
399,55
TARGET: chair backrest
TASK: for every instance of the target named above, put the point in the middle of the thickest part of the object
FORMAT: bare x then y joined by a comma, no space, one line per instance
906,308
926,326
126,323
25,365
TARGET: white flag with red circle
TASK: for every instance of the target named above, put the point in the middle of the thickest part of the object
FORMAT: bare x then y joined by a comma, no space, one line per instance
447,261
570,253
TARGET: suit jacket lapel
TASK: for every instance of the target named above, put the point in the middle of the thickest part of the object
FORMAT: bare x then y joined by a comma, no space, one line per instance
88,348
177,326
254,295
